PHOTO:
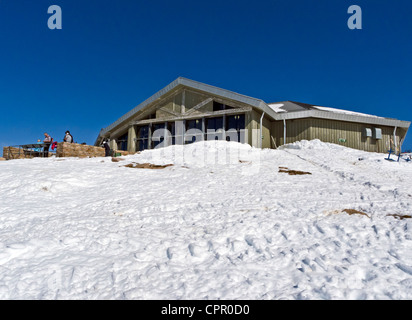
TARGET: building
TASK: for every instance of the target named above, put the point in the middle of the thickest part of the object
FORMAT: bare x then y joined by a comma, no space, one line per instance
186,111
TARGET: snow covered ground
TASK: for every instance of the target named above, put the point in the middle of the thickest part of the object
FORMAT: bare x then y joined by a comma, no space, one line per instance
221,223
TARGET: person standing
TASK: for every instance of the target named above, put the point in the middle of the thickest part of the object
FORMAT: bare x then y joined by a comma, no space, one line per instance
106,148
68,137
47,141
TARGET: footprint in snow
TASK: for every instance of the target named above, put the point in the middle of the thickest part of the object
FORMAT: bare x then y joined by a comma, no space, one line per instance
191,248
404,268
169,253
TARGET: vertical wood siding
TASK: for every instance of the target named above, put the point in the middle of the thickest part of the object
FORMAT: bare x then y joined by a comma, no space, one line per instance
334,132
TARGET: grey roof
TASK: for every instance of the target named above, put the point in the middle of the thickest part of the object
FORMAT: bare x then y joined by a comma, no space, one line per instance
298,110
289,110
291,106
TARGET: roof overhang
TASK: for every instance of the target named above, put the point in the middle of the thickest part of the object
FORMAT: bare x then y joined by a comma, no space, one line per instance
378,121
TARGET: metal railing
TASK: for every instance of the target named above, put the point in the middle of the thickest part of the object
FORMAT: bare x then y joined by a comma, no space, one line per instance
28,151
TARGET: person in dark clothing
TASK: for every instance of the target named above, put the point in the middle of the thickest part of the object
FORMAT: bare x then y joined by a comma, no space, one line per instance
106,148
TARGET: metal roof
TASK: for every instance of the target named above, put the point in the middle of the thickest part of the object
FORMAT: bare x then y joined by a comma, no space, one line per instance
297,110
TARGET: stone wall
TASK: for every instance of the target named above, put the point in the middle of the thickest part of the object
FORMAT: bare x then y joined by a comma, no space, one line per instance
65,149
13,153
10,153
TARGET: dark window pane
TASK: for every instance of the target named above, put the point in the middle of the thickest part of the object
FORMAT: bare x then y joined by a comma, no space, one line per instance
158,137
194,124
218,106
193,131
143,144
143,132
122,142
142,138
214,123
234,125
155,143
172,128
158,126
236,122
214,128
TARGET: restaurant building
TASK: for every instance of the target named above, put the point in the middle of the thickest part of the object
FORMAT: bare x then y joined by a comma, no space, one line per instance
186,111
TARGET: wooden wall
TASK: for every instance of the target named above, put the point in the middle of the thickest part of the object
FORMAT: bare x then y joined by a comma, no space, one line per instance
349,134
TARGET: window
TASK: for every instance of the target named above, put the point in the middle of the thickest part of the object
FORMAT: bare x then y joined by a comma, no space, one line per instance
377,133
172,129
142,138
235,126
122,142
367,132
214,128
236,122
158,136
193,131
217,106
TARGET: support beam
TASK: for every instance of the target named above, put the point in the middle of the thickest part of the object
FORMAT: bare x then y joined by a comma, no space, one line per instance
196,116
113,144
149,142
173,113
183,107
204,128
131,140
198,106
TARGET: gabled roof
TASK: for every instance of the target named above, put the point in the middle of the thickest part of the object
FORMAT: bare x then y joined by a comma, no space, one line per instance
284,110
215,91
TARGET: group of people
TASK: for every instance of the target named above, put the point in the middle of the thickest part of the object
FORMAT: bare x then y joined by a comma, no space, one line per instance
48,141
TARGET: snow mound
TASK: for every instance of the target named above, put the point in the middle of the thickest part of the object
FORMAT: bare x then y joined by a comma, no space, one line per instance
200,154
315,144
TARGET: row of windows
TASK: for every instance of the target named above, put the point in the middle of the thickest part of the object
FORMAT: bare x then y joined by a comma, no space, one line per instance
234,123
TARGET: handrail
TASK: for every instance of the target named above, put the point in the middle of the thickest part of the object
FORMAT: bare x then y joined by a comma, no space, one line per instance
28,151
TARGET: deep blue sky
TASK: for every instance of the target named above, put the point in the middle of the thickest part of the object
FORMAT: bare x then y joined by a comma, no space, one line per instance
111,55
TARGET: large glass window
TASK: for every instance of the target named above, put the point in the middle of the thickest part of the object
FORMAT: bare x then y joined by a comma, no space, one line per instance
122,142
158,136
214,128
235,126
217,106
142,138
193,131
172,129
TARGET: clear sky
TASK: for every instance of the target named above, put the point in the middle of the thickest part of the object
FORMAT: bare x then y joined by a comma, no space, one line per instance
111,55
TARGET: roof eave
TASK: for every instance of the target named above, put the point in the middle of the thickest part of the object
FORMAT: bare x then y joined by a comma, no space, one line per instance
343,117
